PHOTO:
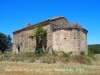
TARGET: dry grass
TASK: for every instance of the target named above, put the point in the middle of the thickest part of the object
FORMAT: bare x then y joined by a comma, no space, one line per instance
45,58
29,64
21,68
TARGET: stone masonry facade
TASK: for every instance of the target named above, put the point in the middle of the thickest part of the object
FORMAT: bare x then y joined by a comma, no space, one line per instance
61,36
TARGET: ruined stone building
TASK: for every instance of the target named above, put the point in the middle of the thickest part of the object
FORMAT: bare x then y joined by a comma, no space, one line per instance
61,36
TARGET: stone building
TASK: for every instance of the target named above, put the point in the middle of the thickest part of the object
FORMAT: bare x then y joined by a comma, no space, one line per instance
61,36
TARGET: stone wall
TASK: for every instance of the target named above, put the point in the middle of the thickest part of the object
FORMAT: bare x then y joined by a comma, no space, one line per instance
24,41
28,44
83,42
61,36
69,41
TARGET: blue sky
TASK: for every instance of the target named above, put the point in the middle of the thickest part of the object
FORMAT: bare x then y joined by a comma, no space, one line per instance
15,14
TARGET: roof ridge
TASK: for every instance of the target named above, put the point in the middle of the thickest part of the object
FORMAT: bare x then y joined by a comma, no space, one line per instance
45,22
50,19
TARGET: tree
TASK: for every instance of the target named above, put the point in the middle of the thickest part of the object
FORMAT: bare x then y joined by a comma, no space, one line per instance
8,41
41,41
5,42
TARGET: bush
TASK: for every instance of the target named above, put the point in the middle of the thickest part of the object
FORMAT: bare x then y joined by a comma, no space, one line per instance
65,55
81,59
53,53
82,52
91,54
29,54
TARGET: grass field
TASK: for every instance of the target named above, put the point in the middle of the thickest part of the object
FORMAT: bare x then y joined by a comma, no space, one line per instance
26,68
19,68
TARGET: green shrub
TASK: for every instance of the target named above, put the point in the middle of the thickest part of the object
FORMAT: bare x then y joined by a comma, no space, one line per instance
65,55
29,54
44,61
82,52
91,54
53,53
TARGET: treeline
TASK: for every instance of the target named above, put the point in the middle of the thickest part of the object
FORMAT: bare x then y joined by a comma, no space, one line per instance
95,48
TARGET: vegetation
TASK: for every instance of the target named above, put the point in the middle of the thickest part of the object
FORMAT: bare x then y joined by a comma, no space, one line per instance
95,48
22,64
91,54
5,42
41,41
45,58
24,68
82,52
